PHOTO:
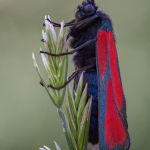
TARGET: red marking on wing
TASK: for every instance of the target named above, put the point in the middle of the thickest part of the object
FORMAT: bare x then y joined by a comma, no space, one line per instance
114,130
102,45
117,88
106,42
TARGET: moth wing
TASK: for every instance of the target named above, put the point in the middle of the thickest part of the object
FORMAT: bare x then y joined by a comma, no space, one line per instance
113,134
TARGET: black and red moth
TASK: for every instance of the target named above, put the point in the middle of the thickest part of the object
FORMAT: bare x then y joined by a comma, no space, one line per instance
93,40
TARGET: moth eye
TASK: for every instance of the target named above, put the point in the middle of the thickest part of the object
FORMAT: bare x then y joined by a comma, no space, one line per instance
78,14
88,8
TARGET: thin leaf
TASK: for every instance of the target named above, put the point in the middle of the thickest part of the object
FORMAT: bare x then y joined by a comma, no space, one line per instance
87,125
48,70
79,91
71,120
71,102
50,93
51,63
70,139
47,148
65,79
57,146
82,131
82,105
41,148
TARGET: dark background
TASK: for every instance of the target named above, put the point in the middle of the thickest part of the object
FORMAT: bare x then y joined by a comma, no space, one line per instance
28,119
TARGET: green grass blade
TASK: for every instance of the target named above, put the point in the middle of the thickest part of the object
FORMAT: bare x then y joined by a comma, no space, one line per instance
45,85
70,139
84,126
71,120
87,124
79,91
82,105
57,146
71,102
65,69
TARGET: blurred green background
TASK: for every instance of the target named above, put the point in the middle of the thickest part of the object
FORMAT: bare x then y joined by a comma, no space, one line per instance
28,119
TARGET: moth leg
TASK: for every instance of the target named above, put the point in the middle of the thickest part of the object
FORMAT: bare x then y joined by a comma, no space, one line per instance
68,78
71,77
59,25
83,24
54,23
42,83
73,51
70,22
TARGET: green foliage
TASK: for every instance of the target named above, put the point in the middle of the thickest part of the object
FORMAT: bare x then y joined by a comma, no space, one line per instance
76,124
78,115
56,67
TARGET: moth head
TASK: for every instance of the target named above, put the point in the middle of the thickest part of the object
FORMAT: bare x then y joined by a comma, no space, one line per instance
85,10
